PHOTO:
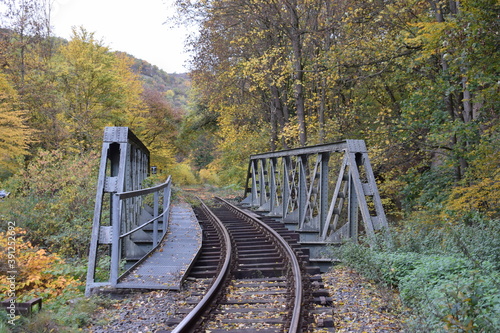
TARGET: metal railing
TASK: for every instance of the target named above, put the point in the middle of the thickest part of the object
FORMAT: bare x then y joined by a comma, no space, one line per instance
124,210
119,213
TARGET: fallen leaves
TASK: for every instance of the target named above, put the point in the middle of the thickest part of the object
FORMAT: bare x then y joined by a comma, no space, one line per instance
249,304
362,306
148,311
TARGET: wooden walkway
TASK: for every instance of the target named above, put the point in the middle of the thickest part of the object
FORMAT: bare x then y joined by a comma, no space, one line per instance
169,264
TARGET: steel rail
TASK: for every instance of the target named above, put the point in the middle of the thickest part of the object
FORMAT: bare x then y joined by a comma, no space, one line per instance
295,323
190,321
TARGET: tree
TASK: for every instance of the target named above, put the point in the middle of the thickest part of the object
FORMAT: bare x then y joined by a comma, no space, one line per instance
159,127
14,134
260,50
97,88
28,24
417,79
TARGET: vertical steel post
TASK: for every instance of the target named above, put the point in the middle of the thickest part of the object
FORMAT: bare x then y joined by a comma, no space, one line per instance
286,185
353,207
155,215
302,195
272,184
94,240
323,191
255,191
115,245
262,182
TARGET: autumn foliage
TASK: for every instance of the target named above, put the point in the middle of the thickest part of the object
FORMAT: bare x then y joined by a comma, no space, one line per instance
37,272
416,79
15,135
54,201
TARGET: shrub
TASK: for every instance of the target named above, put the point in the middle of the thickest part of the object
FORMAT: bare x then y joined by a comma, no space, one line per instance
182,174
209,176
37,270
476,240
449,293
54,200
360,258
449,275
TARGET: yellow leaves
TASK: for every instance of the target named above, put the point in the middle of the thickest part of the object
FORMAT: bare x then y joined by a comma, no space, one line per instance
98,89
483,196
15,135
431,37
34,268
209,175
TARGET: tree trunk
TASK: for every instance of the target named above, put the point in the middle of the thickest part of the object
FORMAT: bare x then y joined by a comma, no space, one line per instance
321,112
280,118
298,74
274,127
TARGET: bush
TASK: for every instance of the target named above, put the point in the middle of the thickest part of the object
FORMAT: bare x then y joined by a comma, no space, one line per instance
449,276
53,199
449,291
182,174
476,239
39,273
209,176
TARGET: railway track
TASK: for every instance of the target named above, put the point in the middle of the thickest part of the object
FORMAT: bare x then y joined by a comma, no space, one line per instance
255,278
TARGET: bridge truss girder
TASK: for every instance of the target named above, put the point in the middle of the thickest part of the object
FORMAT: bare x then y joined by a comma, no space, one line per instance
321,191
122,208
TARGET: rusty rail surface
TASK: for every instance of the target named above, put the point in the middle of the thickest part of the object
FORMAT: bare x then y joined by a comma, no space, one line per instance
194,317
197,317
295,266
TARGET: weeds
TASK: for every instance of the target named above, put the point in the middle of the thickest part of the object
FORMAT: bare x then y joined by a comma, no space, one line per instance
449,276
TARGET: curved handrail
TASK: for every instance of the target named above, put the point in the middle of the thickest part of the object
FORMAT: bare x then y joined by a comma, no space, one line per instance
136,193
297,309
191,319
156,239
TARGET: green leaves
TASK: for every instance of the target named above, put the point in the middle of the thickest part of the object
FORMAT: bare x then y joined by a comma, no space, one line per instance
55,201
443,287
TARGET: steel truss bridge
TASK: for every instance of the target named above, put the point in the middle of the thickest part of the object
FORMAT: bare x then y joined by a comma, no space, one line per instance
129,221
322,192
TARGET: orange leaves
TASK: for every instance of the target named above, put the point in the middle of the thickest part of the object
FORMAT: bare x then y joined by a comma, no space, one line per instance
34,269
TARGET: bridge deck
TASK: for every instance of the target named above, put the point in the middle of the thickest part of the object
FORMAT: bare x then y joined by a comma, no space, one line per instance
167,267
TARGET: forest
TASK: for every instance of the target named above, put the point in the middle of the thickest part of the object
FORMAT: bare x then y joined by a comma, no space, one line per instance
418,80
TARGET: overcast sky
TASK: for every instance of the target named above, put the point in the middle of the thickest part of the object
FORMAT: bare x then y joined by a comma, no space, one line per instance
133,26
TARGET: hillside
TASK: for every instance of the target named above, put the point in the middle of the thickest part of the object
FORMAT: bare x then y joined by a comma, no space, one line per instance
174,86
